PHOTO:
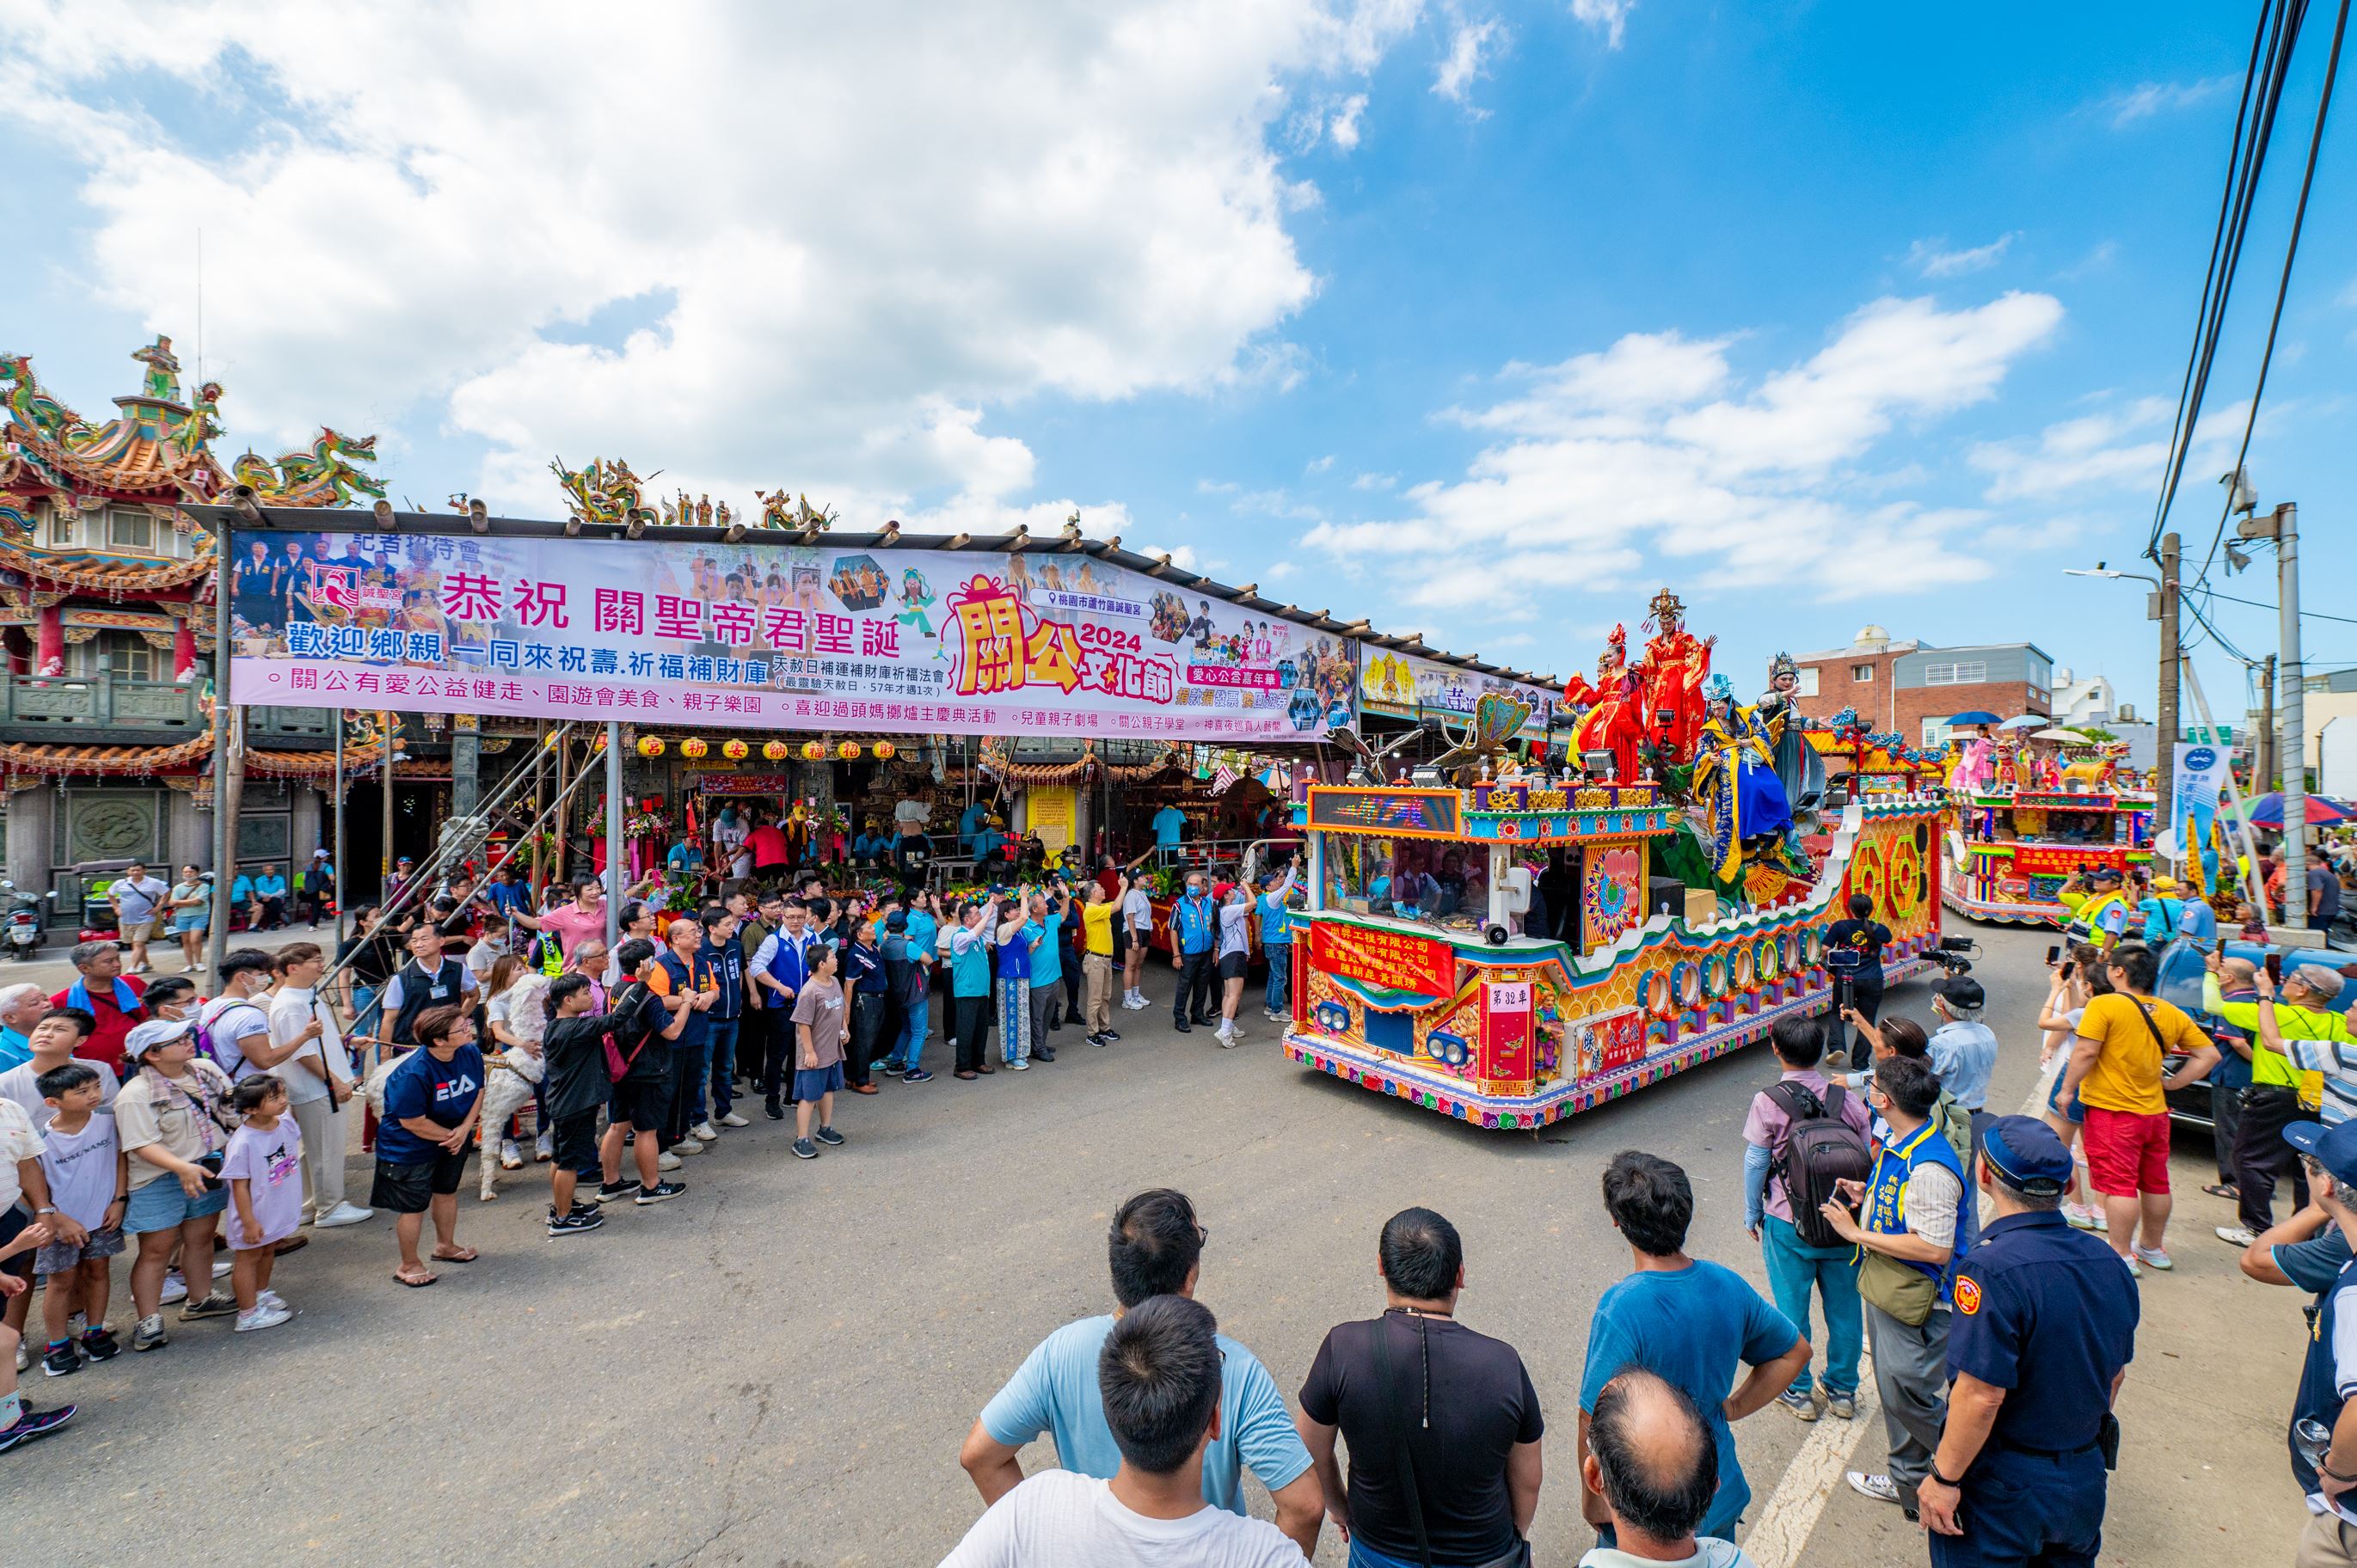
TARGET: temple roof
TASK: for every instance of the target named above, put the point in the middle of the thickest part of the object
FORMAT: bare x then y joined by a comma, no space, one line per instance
183,756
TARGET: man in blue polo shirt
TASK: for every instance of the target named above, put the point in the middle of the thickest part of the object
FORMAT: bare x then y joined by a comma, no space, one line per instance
2323,1421
1156,1249
1194,936
2043,1334
1276,940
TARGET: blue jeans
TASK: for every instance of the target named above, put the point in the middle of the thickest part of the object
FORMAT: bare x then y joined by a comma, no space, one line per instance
910,1048
1795,1269
723,1064
1280,972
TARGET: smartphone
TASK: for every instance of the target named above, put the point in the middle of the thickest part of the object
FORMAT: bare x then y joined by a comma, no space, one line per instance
2275,967
2054,956
2064,968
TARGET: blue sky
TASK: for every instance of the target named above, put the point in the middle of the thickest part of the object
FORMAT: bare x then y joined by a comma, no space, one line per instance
1480,322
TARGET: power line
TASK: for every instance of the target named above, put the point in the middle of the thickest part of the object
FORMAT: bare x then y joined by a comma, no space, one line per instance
2263,605
2283,284
2288,16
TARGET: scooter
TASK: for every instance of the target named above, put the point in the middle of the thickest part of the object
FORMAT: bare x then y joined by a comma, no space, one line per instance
20,929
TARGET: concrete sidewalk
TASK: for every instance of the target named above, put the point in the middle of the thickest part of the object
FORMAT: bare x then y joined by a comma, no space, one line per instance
2204,1477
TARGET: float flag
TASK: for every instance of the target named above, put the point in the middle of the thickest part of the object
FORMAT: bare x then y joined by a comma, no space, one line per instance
2201,773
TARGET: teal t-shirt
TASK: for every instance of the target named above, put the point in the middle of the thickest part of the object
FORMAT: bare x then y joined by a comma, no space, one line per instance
1055,1390
1047,959
1691,1328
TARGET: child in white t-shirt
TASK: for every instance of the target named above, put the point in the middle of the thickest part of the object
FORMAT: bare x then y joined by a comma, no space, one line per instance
90,1181
263,1168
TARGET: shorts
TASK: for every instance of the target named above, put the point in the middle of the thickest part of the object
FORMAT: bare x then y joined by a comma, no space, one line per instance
811,1082
2127,1151
410,1189
639,1104
161,1205
575,1141
135,930
12,1221
2076,1111
58,1256
195,922
1232,965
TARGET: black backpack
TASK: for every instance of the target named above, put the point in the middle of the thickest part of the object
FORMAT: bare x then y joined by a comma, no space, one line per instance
1819,1149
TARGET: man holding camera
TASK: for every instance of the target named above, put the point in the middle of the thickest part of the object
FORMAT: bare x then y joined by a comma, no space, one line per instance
1853,957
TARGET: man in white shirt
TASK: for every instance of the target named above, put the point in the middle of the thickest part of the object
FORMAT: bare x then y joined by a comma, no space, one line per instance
234,1026
494,944
137,897
52,1040
318,1078
1160,1374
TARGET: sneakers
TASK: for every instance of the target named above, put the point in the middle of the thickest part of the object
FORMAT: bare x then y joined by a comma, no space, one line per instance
34,1423
703,1131
1227,1039
662,1192
1043,1053
1018,1065
666,1161
773,1110
918,1075
1133,1003
2235,1236
61,1360
1804,1406
1110,1033
574,1222
1842,1407
214,1305
1878,1487
148,1335
687,1145
99,1345
543,1152
510,1157
890,1070
1274,1016
733,1120
1099,1040
2136,1269
804,1149
265,1314
2085,1218
830,1137
2155,1258
612,1192
176,1288
343,1213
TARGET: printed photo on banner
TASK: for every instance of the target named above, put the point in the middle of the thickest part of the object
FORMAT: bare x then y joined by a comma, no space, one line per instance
769,636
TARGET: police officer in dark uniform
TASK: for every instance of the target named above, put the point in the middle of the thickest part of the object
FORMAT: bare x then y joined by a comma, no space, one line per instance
2043,1331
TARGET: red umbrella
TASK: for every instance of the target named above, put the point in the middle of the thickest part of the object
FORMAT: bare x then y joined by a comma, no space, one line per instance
2268,811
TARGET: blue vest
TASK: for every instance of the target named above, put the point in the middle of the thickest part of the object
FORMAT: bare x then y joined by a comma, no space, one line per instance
1885,1212
1195,923
787,967
2318,1394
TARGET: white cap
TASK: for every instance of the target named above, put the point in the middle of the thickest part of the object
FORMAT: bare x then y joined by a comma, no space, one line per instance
145,1038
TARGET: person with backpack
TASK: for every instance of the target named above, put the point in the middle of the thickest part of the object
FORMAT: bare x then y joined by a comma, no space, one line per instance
1805,1134
637,1048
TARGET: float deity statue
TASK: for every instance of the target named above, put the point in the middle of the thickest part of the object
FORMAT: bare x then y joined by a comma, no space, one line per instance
1798,766
1614,720
1745,814
1675,664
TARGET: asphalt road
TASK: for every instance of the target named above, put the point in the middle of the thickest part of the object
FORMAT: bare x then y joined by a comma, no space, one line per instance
778,1368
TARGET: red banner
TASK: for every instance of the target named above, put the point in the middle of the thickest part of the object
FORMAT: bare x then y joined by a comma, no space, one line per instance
1378,956
1506,1029
1624,1041
2062,860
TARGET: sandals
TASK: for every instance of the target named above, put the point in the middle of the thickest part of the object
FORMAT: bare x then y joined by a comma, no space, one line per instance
401,1279
2224,1189
463,1255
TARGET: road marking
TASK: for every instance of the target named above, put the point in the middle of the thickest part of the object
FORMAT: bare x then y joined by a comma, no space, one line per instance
1791,1516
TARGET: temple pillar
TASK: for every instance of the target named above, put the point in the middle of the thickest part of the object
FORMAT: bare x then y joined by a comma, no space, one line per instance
184,649
49,651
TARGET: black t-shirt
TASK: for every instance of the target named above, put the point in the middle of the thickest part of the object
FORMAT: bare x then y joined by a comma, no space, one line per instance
638,1011
374,959
1482,1404
576,1056
1867,938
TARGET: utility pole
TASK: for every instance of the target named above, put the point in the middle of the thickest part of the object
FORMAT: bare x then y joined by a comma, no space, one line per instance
2282,525
2263,745
2165,759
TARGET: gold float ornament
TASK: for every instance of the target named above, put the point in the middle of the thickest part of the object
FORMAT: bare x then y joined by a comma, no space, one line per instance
847,750
812,751
651,745
884,751
773,750
692,747
734,750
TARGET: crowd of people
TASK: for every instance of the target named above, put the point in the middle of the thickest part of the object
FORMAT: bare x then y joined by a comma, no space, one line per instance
1991,1274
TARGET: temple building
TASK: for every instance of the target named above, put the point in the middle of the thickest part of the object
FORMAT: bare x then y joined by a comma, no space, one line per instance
106,610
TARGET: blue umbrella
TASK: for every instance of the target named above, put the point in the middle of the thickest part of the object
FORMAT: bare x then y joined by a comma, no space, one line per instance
2268,811
2027,720
1977,716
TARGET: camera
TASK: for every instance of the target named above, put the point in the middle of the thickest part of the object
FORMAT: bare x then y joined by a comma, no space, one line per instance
1950,954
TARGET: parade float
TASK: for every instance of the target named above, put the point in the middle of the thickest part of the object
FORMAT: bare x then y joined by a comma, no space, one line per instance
2029,816
1698,920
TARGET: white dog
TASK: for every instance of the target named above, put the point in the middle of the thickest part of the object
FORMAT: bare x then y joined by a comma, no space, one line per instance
509,1076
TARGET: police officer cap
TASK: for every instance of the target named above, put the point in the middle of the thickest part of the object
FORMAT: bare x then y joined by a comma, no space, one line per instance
2104,874
2335,1150
2027,1156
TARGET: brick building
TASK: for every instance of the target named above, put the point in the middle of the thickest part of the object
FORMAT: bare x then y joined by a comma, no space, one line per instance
1914,687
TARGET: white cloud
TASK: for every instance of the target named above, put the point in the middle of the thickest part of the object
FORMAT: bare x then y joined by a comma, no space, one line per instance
1054,197
1934,259
1343,125
1374,481
1654,456
2148,99
1612,16
2120,449
1469,46
1319,465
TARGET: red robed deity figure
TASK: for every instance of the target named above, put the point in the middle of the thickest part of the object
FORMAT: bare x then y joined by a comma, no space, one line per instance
1675,666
